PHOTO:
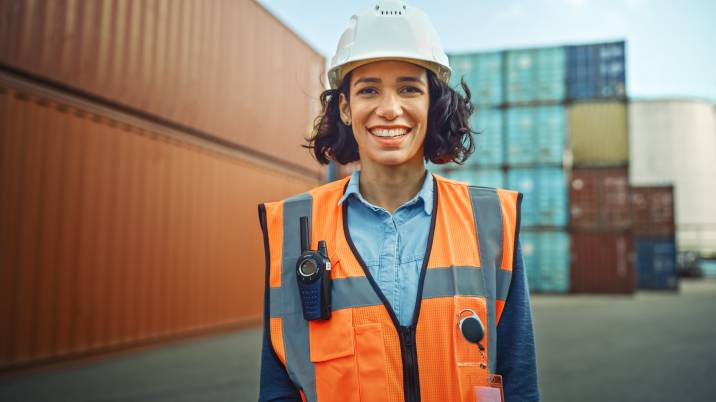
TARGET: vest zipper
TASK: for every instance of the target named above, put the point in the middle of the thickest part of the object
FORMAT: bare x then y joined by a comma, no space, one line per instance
411,381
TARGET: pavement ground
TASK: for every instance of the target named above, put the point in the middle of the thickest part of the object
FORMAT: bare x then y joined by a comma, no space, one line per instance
653,346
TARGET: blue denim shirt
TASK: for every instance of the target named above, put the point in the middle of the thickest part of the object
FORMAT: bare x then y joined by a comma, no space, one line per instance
394,257
392,245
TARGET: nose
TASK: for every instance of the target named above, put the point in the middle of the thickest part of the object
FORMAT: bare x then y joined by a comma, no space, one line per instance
389,107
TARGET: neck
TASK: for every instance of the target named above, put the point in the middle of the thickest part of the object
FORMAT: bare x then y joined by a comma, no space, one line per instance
389,187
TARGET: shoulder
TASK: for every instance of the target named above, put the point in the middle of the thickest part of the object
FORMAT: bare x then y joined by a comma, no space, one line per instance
328,190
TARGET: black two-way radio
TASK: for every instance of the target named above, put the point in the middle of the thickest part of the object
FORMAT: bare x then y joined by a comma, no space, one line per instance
313,274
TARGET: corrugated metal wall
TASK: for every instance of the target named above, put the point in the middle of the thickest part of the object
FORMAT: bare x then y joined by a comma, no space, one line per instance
225,67
115,231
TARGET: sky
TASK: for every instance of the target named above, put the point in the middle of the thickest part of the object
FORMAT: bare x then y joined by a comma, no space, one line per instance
671,45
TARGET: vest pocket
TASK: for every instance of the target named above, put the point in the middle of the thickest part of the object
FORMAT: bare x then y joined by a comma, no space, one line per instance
371,359
332,351
349,361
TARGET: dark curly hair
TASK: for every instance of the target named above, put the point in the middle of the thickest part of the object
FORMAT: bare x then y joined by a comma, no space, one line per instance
448,137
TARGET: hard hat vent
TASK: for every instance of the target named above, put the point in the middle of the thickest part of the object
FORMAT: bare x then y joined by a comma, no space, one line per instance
394,9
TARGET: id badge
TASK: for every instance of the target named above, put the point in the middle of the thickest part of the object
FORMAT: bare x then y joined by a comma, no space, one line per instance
490,391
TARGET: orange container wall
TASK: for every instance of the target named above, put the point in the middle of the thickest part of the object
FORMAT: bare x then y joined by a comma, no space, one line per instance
228,68
115,231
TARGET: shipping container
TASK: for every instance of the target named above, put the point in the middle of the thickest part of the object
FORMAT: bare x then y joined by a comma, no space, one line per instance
202,64
546,260
653,210
489,142
483,75
708,267
598,133
476,177
535,135
601,262
596,71
656,262
545,195
535,75
599,198
117,231
674,143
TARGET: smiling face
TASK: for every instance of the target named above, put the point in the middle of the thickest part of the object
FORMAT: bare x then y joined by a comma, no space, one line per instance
388,111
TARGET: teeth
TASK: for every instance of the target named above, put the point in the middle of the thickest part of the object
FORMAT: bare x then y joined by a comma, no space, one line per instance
394,132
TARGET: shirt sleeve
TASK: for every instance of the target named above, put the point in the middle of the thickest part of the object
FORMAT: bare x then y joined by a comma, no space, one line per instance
516,360
275,385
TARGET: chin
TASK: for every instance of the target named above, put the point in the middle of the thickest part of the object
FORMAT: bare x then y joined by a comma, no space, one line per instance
396,159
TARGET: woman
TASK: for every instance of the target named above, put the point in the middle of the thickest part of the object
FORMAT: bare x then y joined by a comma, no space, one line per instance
417,291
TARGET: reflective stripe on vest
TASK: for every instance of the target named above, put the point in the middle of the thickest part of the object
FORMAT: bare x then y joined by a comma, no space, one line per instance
468,265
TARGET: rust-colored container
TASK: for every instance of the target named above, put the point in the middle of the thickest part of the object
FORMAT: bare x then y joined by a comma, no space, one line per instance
115,231
602,262
227,68
653,210
599,198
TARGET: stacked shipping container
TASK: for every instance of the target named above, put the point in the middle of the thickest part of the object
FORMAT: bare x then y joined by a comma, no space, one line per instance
540,112
654,237
133,154
600,212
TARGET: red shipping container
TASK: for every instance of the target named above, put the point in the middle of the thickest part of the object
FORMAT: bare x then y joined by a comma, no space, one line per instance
599,198
653,210
602,262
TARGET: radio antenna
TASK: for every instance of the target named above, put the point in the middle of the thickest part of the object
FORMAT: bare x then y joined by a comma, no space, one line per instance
304,234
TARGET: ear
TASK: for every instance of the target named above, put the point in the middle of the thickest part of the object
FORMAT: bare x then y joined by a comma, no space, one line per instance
344,109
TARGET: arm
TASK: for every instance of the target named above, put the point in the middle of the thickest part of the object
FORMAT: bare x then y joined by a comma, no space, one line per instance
516,360
275,385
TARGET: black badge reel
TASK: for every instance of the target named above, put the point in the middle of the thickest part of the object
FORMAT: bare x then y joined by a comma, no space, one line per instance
472,329
313,274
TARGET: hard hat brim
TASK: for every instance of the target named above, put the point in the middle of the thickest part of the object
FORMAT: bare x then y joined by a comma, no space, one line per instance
336,79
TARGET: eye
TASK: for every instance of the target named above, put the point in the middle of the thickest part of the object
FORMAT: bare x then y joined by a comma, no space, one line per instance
367,90
411,90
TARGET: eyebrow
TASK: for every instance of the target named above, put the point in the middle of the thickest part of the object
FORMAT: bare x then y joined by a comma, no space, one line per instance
378,80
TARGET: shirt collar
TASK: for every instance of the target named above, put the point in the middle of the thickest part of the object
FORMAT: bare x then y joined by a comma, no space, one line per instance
425,194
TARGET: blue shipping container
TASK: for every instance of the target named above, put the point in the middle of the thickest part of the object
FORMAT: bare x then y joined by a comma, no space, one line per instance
545,195
596,71
535,75
477,177
535,135
483,75
546,259
656,263
489,143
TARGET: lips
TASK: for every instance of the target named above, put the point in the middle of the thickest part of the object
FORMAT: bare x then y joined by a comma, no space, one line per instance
390,132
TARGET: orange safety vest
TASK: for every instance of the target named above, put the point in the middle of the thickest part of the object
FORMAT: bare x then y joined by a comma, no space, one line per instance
363,353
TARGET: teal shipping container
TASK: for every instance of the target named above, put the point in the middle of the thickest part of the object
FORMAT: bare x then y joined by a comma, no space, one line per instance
545,195
535,75
483,75
546,259
489,142
477,177
535,135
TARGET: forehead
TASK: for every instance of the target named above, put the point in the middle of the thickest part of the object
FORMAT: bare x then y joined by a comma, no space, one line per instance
388,70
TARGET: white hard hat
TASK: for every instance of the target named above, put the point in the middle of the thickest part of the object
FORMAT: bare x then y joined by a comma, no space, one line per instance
389,30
